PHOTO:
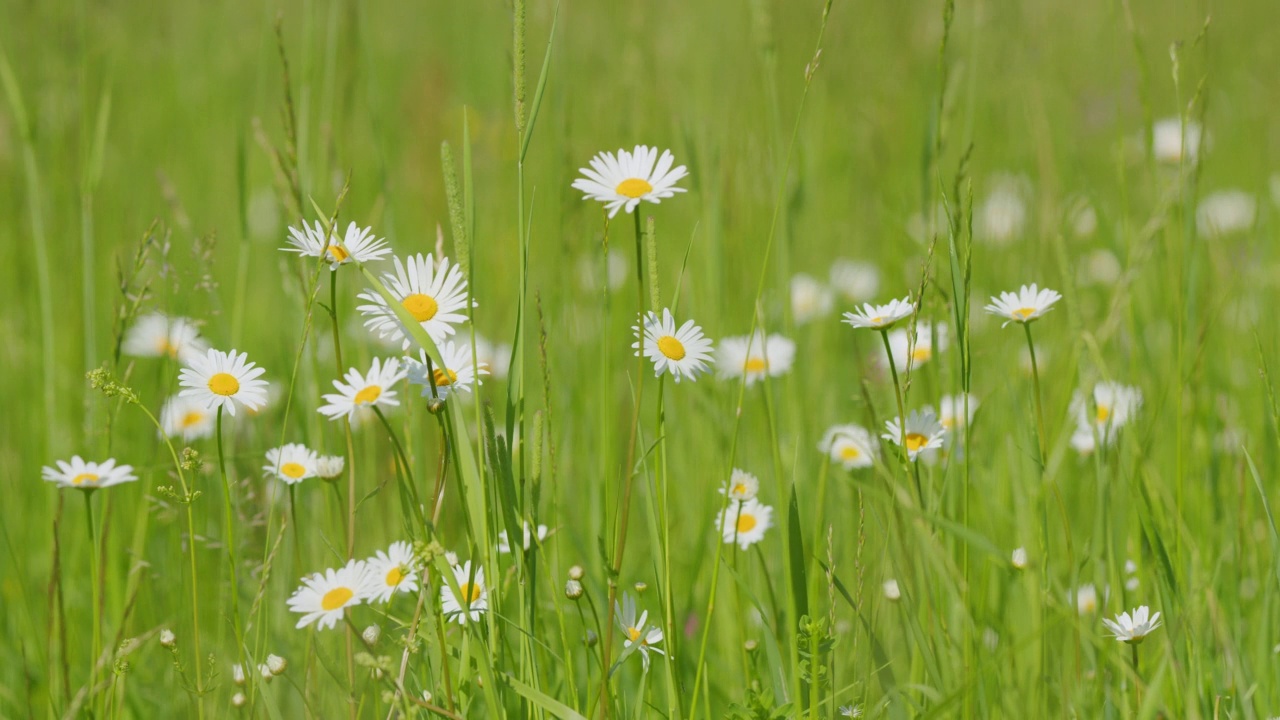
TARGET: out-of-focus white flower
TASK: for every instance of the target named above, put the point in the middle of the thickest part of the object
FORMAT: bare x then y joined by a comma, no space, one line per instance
1002,216
1225,212
1168,144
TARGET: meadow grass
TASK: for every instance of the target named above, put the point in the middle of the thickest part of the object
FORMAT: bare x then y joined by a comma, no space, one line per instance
153,157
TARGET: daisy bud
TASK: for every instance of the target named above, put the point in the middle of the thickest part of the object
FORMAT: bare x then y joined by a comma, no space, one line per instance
277,664
1019,558
371,634
426,696
167,639
641,587
238,699
573,589
266,673
237,674
576,572
592,638
892,591
330,466
750,645
435,405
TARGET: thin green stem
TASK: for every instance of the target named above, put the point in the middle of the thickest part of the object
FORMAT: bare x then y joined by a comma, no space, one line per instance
229,541
1035,379
97,600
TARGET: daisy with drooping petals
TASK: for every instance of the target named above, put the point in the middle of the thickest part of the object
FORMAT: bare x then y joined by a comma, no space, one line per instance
81,475
755,356
185,417
881,317
292,463
475,597
853,446
684,352
434,292
636,631
1133,629
905,353
459,371
358,244
743,486
504,544
1030,303
923,432
219,380
630,177
372,389
745,522
324,597
391,571
158,335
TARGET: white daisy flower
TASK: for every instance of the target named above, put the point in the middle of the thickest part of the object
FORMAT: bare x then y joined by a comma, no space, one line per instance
392,571
364,390
81,475
475,595
881,317
330,466
1167,141
630,177
435,293
1113,406
324,597
852,446
1086,597
891,590
1225,212
459,372
221,380
637,632
855,280
743,486
810,299
158,335
745,522
922,351
186,417
292,463
1030,303
504,544
755,356
357,245
851,711
951,411
1082,440
923,432
684,352
1135,628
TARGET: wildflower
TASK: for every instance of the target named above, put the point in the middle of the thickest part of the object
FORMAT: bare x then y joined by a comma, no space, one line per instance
265,671
851,711
168,639
237,674
1027,305
852,446
891,590
855,280
324,597
639,635
158,335
1113,406
810,299
755,357
922,432
1167,140
371,634
391,571
905,352
744,522
1019,558
372,389
82,475
186,417
434,293
1225,212
1002,216
1086,599
628,178
504,545
460,371
683,353
881,317
357,245
292,463
951,411
277,664
573,589
577,572
221,380
743,486
239,699
1133,629
330,466
475,597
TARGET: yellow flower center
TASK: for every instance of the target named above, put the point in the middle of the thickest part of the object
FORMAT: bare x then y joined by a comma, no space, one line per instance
336,598
338,252
84,478
167,348
192,418
395,575
671,347
746,523
739,490
224,384
444,377
756,365
1024,313
421,307
1104,413
634,188
849,452
877,320
369,395
915,441
470,592
633,634
920,354
293,470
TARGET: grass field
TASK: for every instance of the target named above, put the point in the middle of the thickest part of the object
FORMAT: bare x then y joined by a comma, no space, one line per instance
154,156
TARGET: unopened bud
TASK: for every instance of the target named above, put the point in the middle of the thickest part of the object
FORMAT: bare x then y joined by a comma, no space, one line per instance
576,572
750,645
592,639
573,589
277,664
641,587
168,639
238,699
371,634
266,673
237,674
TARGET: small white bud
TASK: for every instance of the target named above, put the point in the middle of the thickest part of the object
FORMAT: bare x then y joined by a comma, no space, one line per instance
277,664
238,699
576,572
237,674
167,638
573,589
266,673
892,591
1019,558
371,634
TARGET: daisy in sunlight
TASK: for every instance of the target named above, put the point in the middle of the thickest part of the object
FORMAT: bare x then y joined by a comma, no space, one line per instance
745,522
743,486
391,571
359,245
325,597
1027,305
367,390
220,381
850,446
81,475
683,352
951,411
186,418
434,292
923,432
1135,628
624,180
920,352
459,371
881,317
158,335
292,463
636,631
755,356
475,597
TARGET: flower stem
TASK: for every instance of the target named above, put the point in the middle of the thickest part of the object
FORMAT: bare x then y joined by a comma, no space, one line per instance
902,417
229,541
1035,379
97,601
